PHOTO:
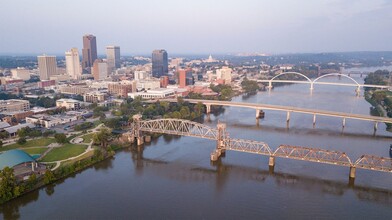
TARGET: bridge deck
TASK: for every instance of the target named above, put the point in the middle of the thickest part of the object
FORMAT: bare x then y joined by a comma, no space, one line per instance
288,109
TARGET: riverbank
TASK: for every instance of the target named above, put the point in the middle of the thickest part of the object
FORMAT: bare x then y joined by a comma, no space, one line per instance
378,108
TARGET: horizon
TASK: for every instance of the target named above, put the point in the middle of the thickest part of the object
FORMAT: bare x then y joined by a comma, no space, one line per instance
202,27
2,54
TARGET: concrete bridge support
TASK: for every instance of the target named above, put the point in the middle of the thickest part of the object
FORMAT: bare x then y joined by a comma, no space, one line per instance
311,87
288,117
375,128
220,142
208,109
314,120
271,161
358,91
352,172
344,122
139,137
269,85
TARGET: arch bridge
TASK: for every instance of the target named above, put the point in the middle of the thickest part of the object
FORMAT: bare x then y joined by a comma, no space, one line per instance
307,80
224,142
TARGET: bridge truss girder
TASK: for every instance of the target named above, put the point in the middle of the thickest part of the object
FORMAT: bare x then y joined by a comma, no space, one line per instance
313,155
371,162
248,146
179,127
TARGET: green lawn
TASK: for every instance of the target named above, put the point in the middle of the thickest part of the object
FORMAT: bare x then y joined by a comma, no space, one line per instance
64,152
38,150
41,142
87,138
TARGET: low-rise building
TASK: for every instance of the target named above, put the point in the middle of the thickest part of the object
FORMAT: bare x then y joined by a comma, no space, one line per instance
46,83
148,84
153,93
122,88
94,97
12,105
48,121
69,104
75,89
20,73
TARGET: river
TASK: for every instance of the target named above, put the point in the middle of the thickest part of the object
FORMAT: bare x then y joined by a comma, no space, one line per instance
173,178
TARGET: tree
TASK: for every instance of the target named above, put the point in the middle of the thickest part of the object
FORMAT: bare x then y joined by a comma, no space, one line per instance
102,138
48,133
49,177
249,86
199,108
23,132
165,105
32,181
21,141
113,123
7,184
185,113
60,138
4,134
35,133
1,143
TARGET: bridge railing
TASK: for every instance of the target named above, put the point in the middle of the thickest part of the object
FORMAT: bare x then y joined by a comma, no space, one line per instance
179,127
248,146
371,162
313,154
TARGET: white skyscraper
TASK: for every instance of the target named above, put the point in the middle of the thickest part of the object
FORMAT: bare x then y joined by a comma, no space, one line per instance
113,57
72,63
47,66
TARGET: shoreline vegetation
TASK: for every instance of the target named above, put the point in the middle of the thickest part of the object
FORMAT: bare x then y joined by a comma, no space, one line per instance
381,100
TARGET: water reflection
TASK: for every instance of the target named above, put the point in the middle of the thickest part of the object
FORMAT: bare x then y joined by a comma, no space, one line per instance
10,210
222,173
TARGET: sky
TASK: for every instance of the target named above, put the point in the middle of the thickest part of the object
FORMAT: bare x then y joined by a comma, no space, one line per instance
197,26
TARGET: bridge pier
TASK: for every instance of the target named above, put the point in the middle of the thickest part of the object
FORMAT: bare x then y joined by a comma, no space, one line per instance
288,117
269,85
220,142
140,140
271,161
344,122
137,132
352,172
358,91
260,113
311,87
314,121
208,109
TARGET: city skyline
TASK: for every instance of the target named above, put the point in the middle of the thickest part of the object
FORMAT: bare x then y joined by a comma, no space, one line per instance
219,27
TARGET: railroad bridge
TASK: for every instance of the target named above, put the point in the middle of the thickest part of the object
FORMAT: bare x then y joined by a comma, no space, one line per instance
225,143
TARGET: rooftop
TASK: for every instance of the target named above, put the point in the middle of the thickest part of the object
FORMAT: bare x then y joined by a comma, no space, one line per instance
12,158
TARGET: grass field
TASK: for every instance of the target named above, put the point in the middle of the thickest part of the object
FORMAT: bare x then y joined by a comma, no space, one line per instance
87,138
64,152
38,150
41,142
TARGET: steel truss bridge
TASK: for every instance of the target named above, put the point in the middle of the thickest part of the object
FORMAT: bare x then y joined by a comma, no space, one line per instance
224,142
317,82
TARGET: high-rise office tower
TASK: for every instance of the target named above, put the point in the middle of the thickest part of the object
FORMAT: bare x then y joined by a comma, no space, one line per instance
47,66
72,63
89,51
159,63
113,57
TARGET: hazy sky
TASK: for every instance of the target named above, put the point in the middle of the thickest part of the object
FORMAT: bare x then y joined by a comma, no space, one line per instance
197,26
